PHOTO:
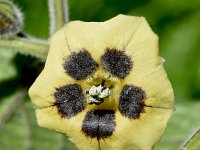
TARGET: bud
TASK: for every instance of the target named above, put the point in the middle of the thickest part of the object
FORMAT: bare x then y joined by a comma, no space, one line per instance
11,19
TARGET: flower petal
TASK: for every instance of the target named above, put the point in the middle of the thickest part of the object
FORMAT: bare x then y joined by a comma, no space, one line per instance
148,71
97,36
135,47
53,75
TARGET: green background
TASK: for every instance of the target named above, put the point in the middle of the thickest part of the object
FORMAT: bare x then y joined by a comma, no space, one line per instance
177,24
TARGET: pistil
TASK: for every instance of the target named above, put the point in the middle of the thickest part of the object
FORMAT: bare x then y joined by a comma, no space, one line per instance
96,94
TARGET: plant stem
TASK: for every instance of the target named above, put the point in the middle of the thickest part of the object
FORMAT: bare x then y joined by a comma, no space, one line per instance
193,141
27,122
34,47
58,11
11,108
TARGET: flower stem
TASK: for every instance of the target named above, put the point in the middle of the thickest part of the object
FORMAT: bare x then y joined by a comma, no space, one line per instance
58,11
11,108
193,141
34,47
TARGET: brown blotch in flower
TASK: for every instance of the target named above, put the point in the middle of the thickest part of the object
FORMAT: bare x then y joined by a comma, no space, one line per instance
116,62
80,65
99,124
69,100
131,102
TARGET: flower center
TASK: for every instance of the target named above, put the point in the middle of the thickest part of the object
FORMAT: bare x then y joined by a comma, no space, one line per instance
99,90
96,94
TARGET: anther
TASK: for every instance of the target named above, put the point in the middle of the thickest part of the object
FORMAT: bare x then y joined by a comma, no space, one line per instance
97,94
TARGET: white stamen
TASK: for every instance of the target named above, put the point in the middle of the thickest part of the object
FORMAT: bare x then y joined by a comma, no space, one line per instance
99,89
99,92
104,93
92,100
93,91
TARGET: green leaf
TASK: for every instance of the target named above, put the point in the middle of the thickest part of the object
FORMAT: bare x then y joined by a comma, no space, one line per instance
179,46
22,132
184,120
193,142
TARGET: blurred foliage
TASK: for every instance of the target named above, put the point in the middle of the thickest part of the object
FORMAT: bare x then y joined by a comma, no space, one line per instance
23,133
193,141
36,16
176,22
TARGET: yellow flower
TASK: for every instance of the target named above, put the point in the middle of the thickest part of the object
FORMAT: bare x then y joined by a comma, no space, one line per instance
104,85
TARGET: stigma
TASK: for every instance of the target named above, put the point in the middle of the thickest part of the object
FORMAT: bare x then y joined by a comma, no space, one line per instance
96,94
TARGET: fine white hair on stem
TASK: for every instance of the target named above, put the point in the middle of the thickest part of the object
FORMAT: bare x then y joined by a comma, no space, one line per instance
26,46
190,138
58,14
66,11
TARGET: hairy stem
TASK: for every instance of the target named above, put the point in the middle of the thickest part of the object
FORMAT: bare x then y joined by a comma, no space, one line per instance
34,47
193,141
29,142
58,11
11,108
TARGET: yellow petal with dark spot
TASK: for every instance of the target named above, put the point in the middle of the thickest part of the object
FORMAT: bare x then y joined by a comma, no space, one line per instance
132,47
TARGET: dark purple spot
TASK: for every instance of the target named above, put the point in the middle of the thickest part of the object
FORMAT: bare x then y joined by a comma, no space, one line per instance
80,65
131,102
99,124
116,62
69,100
